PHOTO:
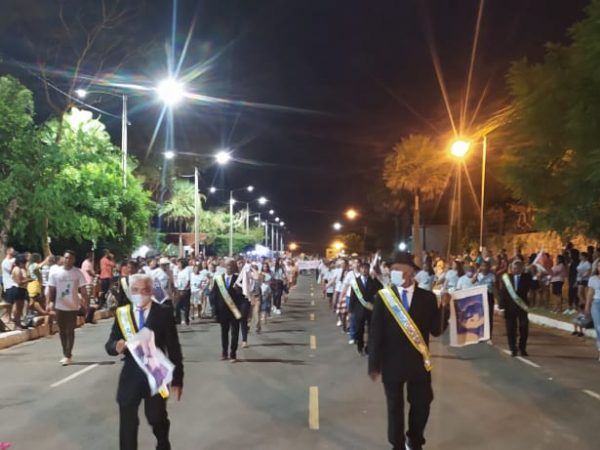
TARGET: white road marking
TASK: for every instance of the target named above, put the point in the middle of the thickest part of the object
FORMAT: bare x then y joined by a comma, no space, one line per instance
312,303
523,360
313,342
313,407
592,394
75,375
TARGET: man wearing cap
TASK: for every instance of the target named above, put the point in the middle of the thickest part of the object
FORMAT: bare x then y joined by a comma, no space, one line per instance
404,316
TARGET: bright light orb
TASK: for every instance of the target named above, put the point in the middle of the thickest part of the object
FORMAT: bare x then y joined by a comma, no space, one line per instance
271,212
170,91
293,246
351,214
250,188
282,223
338,245
276,219
460,148
402,246
169,154
81,93
222,157
213,189
262,201
337,226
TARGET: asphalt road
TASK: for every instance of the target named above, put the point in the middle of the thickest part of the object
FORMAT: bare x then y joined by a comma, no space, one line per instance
300,373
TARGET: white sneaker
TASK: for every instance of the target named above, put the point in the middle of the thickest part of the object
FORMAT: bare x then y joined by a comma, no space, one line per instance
339,323
351,342
567,311
66,361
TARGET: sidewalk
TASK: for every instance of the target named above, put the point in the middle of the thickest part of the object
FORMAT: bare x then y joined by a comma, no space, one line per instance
10,338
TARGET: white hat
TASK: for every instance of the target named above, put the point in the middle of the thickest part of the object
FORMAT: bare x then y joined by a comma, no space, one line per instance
164,260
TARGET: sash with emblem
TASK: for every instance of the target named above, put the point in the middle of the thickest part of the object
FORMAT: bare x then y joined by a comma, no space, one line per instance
126,323
359,295
513,294
227,298
406,324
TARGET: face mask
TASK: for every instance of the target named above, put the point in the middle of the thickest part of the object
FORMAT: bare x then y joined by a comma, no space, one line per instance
397,277
138,300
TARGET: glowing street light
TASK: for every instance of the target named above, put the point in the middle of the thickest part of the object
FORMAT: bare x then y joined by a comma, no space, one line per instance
250,188
337,226
402,246
282,223
222,157
271,212
276,219
262,201
351,214
212,189
169,154
170,91
338,245
81,93
293,246
459,148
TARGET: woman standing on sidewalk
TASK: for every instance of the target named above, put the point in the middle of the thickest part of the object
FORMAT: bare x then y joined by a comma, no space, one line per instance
277,285
558,273
592,305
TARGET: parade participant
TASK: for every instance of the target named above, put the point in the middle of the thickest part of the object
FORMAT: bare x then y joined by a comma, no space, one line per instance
344,312
592,304
404,316
486,278
468,279
340,276
513,299
227,300
133,383
124,282
265,292
244,283
182,283
197,277
426,277
277,285
362,295
327,276
163,282
65,286
449,279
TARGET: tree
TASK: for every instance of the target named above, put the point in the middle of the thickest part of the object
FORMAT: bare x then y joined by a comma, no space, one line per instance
552,158
418,165
76,188
17,150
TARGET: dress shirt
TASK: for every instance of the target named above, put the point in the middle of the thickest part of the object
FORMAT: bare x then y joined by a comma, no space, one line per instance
136,314
410,291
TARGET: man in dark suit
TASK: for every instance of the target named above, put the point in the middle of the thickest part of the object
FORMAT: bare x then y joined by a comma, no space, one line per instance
368,288
393,356
226,316
133,384
516,316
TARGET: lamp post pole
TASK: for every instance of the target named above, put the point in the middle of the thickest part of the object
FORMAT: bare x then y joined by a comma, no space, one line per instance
230,223
124,140
483,169
196,213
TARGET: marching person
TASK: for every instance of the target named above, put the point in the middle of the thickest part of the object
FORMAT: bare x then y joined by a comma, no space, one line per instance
514,300
124,282
65,286
363,290
404,316
228,299
133,383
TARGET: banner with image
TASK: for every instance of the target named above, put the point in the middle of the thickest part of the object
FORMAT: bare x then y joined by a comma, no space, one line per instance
153,362
469,317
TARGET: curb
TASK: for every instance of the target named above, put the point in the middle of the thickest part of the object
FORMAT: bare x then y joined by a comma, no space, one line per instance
11,338
548,322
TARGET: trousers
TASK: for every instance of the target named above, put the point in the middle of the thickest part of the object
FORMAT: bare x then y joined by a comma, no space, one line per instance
516,318
233,325
66,321
362,317
155,409
183,305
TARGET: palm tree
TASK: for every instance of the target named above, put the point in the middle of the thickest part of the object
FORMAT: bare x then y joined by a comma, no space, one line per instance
180,208
418,165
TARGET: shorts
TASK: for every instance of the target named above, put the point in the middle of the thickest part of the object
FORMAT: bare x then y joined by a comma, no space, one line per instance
18,294
329,295
195,298
34,289
582,283
557,287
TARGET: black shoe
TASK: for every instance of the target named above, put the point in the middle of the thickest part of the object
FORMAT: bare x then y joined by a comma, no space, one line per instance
524,353
575,333
514,353
580,334
360,351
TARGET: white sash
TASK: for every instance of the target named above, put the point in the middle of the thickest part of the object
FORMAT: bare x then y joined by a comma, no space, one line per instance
227,298
125,288
513,294
359,296
410,329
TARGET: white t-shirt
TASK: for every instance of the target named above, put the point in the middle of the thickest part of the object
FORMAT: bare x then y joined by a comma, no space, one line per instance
67,284
7,266
199,281
594,283
583,270
183,278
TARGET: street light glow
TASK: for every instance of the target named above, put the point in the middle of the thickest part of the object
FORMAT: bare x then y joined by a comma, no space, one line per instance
337,226
170,91
232,201
256,219
169,154
222,157
351,214
282,223
293,246
81,93
460,148
276,219
250,188
262,201
271,212
212,189
402,246
338,245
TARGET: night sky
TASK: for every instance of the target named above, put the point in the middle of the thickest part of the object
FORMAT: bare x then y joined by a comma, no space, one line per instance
360,71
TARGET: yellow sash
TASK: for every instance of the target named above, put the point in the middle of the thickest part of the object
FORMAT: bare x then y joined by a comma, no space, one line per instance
227,298
359,296
407,325
126,324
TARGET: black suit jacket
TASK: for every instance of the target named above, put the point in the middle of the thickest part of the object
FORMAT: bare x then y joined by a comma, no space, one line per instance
390,352
222,311
133,382
506,301
369,292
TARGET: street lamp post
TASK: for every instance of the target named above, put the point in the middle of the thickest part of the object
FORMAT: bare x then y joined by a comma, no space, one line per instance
196,213
231,223
483,170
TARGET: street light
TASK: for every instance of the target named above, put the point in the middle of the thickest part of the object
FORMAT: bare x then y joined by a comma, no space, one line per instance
271,212
351,214
81,93
338,245
169,154
459,148
276,219
282,223
262,201
250,188
170,91
337,226
212,189
222,157
293,246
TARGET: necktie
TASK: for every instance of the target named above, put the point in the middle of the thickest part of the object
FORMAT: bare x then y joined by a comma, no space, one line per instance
228,282
364,281
516,282
140,318
405,299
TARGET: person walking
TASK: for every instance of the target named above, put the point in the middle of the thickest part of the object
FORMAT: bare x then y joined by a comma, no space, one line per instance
404,316
228,300
514,296
363,290
182,283
485,277
65,286
133,383
107,266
